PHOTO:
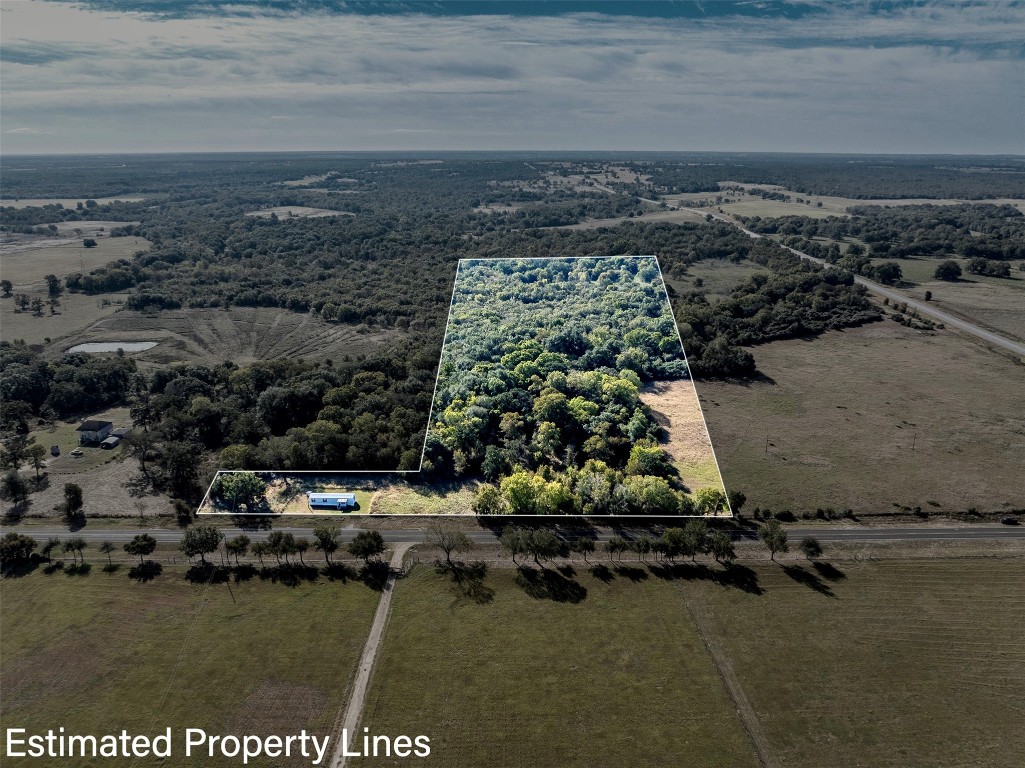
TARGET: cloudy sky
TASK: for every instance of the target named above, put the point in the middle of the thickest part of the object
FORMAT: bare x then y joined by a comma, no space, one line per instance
184,75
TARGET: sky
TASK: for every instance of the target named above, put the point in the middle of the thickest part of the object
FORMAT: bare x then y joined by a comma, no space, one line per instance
183,75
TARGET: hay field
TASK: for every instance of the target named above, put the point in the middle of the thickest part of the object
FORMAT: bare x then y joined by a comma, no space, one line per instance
239,334
77,311
870,418
901,664
101,652
605,674
68,202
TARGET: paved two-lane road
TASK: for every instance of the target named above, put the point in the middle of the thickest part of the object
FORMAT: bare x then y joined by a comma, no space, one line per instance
924,308
416,535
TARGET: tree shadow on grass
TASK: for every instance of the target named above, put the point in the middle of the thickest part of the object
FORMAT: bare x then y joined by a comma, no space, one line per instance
112,567
340,572
290,574
52,568
550,585
631,572
146,571
829,571
468,580
253,522
602,572
375,575
79,569
243,572
734,576
809,579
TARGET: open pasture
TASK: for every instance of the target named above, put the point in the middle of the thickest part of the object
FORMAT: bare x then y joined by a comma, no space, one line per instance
101,652
26,260
870,419
996,303
910,663
512,681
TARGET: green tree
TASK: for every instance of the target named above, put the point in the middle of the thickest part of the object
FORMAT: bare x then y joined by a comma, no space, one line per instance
721,547
810,547
301,546
245,488
488,501
141,545
76,546
541,544
948,270
512,540
13,487
711,501
16,549
73,500
695,538
106,548
48,548
6,286
37,457
367,544
89,243
200,540
616,546
326,541
53,285
237,546
775,538
584,546
448,539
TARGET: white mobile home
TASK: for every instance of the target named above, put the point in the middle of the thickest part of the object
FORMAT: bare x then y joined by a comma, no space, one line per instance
331,500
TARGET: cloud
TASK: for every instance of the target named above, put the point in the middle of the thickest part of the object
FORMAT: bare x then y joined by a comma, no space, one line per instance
819,77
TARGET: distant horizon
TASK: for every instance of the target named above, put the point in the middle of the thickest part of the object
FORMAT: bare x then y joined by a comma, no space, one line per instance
429,151
88,77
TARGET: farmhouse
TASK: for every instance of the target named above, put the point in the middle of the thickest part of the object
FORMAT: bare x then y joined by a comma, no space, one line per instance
331,500
93,431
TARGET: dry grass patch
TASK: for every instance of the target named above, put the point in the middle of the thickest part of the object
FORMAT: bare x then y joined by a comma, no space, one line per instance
25,263
297,212
676,408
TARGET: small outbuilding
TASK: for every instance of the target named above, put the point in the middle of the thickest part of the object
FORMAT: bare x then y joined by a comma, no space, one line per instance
331,500
111,442
94,431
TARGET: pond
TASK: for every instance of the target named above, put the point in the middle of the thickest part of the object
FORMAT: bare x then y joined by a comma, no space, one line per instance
113,346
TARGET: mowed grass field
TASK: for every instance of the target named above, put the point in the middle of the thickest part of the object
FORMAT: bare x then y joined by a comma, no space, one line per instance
619,678
99,653
871,417
26,265
902,664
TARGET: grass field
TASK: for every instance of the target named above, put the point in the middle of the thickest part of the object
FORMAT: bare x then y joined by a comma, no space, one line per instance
872,417
297,211
68,202
718,278
99,653
994,302
239,334
619,678
77,311
26,263
901,664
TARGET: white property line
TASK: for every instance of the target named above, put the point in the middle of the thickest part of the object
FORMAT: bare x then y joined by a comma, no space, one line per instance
701,410
434,397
